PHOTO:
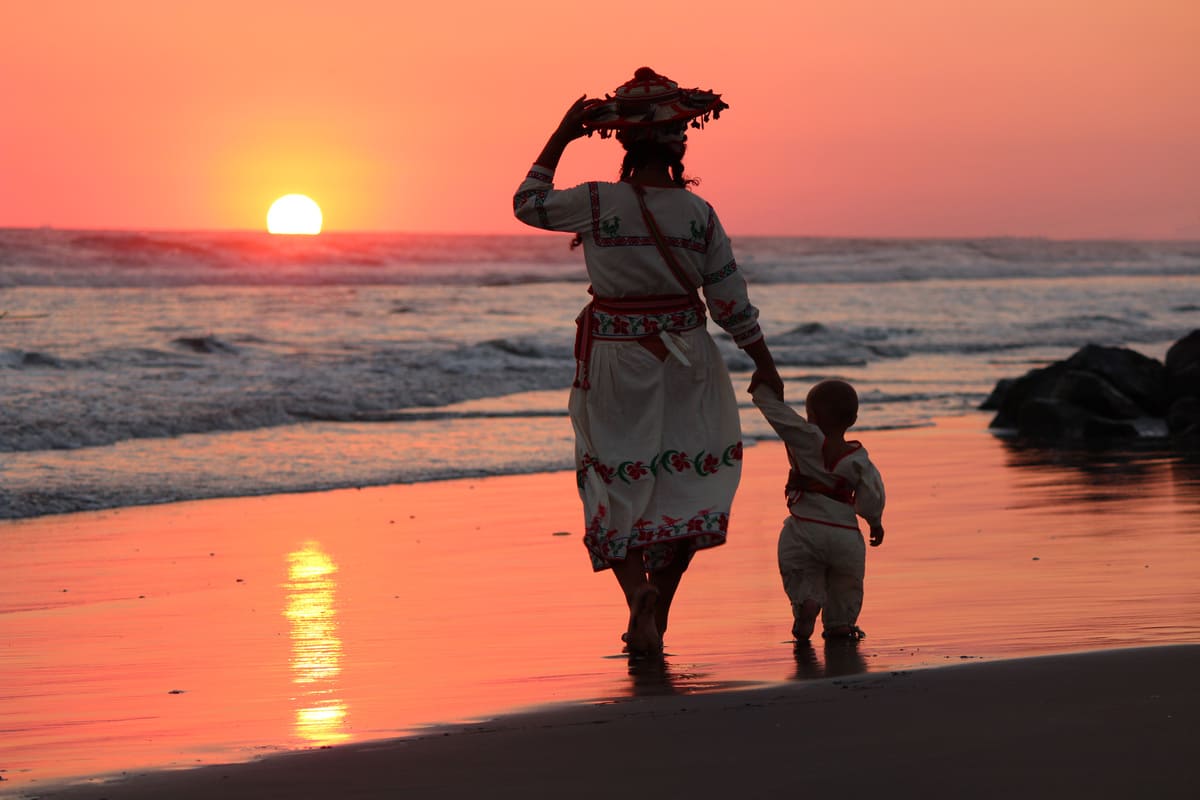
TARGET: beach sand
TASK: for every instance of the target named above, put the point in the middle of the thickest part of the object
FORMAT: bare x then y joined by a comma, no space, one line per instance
1116,724
228,630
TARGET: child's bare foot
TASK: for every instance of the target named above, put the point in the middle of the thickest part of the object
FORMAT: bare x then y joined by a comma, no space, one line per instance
805,619
850,633
643,635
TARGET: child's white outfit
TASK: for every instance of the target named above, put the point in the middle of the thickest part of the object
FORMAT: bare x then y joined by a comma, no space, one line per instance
822,555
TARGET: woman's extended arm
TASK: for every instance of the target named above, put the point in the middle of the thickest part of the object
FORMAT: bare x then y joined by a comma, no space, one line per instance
536,201
765,372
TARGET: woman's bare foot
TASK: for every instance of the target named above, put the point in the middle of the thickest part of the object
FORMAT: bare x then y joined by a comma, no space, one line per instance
643,635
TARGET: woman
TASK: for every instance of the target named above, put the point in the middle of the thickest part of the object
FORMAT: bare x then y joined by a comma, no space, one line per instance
658,438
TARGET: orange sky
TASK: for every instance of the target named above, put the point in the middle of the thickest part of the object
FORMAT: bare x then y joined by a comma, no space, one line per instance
1062,118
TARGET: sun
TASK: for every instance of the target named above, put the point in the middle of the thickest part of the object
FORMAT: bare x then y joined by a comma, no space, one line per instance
294,213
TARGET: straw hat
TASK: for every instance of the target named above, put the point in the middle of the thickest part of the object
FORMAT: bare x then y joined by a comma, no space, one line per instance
653,106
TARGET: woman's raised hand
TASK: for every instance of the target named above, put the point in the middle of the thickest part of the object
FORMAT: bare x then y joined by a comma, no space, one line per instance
571,127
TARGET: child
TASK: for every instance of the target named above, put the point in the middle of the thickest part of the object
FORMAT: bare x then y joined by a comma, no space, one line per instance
821,554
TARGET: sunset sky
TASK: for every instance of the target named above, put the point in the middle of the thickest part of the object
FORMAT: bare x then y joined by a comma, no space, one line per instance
1061,118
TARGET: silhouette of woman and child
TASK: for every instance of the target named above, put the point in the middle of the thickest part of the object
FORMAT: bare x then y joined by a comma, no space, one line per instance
658,445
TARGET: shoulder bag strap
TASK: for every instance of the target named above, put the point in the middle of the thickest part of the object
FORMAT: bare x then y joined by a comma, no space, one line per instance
663,248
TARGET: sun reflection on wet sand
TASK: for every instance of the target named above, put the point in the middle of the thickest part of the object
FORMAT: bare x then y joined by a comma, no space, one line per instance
316,649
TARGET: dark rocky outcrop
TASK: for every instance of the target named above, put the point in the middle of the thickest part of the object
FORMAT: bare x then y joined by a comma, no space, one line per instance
1183,386
1140,378
1104,393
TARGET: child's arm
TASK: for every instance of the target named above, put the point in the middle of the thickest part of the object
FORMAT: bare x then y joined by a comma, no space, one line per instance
869,498
803,439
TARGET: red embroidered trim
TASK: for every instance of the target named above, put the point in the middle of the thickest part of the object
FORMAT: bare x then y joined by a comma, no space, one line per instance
855,446
643,241
705,524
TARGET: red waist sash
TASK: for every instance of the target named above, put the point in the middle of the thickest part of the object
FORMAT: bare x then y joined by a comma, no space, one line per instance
800,485
630,319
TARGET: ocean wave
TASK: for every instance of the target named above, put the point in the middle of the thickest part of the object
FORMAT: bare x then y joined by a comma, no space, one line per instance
206,384
50,257
150,392
11,358
204,344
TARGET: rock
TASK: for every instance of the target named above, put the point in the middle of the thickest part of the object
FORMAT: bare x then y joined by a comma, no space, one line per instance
1037,383
1141,378
993,401
1184,383
1042,418
1094,393
1104,393
1183,418
1184,353
1051,420
1096,427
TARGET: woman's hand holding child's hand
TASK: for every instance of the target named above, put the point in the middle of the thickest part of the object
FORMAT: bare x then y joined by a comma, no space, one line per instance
769,378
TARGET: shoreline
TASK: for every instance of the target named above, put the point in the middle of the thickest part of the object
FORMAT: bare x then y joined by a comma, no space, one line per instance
217,630
1039,726
115,476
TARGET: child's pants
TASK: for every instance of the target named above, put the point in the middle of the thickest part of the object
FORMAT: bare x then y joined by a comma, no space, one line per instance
826,564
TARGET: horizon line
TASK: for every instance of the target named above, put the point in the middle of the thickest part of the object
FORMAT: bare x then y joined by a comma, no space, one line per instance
545,234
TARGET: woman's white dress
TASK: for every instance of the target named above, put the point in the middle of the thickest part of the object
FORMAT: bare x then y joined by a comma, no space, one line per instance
658,445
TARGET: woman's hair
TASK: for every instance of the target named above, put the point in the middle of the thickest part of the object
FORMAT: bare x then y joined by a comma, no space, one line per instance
641,152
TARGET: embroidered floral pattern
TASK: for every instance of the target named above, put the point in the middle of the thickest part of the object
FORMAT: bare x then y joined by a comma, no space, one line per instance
667,462
706,528
698,243
724,308
606,325
741,316
729,319
539,204
520,197
721,274
538,175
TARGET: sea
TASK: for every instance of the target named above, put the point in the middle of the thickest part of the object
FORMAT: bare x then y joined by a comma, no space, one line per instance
152,367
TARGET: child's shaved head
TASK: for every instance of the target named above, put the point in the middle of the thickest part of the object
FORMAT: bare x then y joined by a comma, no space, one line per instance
833,404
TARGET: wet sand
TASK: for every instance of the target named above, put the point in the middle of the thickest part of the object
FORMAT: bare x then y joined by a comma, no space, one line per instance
225,630
1115,724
